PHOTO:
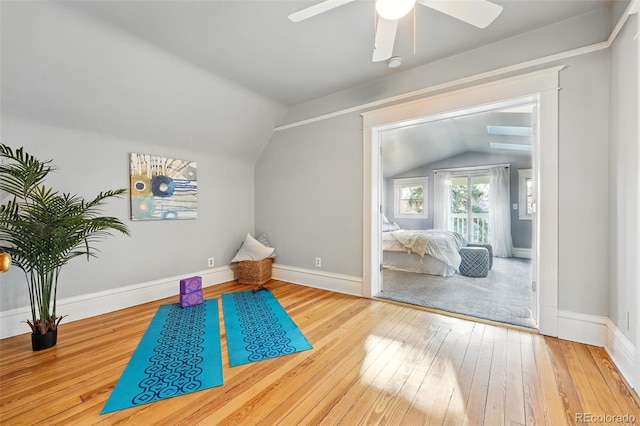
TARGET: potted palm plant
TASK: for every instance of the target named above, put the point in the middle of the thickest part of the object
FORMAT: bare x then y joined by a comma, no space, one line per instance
42,230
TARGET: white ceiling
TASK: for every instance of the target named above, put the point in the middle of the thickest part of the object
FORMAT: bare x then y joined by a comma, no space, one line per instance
254,44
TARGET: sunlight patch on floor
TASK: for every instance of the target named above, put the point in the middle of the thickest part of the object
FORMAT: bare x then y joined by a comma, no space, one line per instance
402,370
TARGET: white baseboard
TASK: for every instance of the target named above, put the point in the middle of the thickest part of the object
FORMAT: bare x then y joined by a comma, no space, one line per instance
89,305
622,353
339,283
582,328
600,331
524,253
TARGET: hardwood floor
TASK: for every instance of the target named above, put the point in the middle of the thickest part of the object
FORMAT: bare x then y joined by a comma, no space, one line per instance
373,363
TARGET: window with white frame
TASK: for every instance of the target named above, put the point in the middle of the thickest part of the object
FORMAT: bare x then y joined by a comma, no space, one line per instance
525,194
410,198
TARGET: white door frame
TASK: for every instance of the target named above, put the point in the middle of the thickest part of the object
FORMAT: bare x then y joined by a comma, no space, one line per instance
541,84
637,367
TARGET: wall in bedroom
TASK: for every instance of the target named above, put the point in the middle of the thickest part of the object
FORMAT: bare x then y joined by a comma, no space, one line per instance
520,229
623,182
87,108
583,145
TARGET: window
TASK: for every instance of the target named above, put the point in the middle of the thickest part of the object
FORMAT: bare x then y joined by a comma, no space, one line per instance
411,195
525,194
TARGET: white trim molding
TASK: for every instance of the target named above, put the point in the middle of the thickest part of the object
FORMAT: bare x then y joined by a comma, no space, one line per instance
621,350
89,305
346,284
602,332
582,328
634,8
523,253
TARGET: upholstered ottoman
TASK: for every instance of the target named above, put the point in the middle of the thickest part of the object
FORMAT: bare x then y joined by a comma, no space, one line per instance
488,247
475,261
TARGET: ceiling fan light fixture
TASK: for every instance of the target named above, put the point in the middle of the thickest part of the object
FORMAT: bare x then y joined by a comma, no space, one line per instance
394,62
394,9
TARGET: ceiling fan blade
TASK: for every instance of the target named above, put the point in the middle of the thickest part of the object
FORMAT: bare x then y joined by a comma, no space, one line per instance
479,13
385,38
317,9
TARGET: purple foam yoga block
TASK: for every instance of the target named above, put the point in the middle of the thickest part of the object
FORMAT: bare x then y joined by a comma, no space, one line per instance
190,299
191,284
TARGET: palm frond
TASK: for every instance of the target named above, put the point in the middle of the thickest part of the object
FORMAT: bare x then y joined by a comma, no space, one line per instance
43,229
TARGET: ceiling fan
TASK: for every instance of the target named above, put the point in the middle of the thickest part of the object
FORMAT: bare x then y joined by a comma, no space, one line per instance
479,13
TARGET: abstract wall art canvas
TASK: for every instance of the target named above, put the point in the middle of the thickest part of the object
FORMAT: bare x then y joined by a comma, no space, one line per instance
163,188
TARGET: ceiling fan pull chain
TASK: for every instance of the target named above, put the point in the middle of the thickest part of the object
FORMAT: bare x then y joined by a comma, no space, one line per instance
414,31
375,24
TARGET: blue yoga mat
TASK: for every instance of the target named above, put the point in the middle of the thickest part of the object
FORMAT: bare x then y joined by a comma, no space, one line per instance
259,328
179,353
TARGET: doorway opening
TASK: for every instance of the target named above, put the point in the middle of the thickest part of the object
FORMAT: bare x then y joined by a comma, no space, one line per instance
451,188
540,87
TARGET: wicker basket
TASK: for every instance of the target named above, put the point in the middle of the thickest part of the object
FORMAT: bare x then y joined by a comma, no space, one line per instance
255,272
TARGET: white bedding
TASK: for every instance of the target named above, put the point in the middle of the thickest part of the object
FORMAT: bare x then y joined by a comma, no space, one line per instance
441,245
410,262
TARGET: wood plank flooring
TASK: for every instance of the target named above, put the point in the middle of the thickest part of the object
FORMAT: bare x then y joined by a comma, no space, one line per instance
372,363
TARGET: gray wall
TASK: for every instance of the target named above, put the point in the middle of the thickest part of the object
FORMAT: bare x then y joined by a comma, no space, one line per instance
88,163
520,229
623,182
583,139
86,95
309,195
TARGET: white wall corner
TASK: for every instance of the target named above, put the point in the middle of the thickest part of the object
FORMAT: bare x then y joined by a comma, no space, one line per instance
339,283
622,353
601,331
89,305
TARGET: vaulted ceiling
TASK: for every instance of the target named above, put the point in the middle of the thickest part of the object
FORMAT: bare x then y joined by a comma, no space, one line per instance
191,73
407,148
254,43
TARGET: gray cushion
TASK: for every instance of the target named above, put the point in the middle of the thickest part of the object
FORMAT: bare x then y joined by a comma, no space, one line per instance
475,261
488,247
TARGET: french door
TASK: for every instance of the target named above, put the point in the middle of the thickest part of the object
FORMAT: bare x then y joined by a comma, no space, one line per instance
470,201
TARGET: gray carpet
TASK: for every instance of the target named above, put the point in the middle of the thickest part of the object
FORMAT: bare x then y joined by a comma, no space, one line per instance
503,296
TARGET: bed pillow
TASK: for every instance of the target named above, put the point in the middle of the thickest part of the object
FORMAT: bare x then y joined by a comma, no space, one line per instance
265,242
252,249
387,227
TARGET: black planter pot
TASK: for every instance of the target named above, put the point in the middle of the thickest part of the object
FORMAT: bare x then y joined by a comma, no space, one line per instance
44,341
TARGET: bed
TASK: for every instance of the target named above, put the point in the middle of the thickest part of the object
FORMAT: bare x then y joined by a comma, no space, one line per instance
430,251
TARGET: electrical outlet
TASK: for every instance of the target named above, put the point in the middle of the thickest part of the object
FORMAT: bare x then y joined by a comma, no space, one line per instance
515,206
318,262
210,262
